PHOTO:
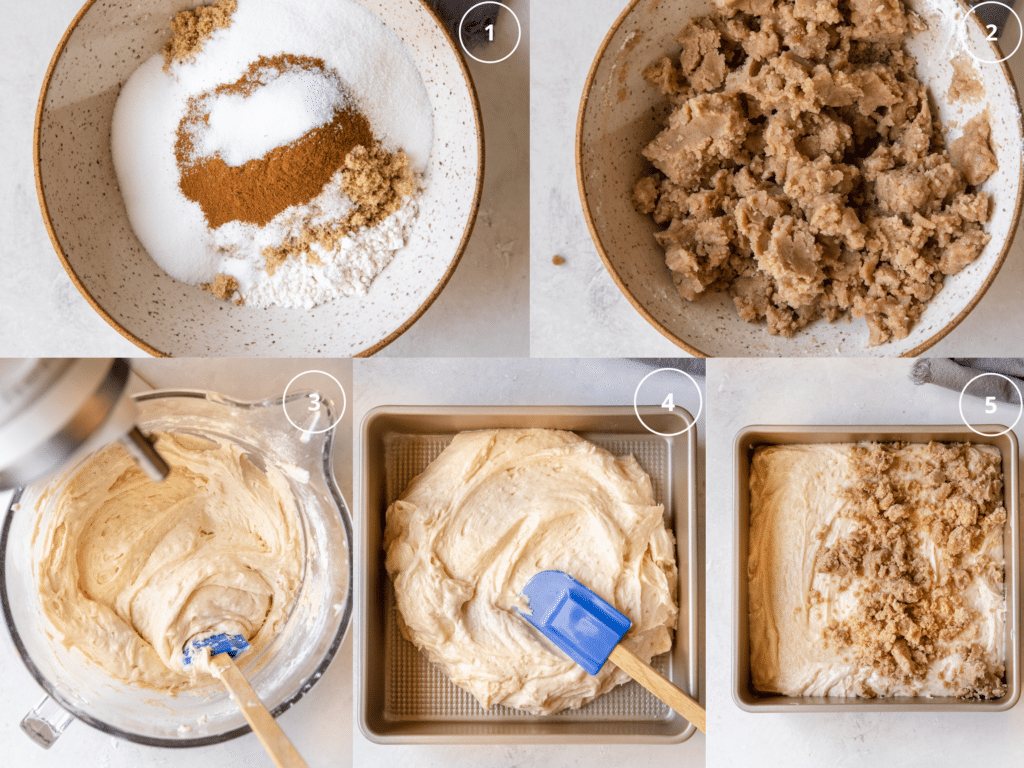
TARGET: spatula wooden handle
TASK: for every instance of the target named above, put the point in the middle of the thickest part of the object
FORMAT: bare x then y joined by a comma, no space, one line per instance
280,749
659,685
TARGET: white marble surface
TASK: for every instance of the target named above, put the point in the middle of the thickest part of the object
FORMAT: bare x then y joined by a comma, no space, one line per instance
43,314
514,382
576,309
320,725
742,393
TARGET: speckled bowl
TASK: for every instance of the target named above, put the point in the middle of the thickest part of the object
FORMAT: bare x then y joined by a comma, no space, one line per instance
620,114
86,218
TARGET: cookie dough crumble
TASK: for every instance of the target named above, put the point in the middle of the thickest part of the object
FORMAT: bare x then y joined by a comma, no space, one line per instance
803,170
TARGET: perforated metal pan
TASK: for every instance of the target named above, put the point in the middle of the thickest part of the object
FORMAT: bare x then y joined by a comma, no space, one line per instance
402,698
751,700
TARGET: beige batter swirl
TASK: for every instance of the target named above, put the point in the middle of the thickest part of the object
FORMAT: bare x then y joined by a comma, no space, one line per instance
492,510
132,569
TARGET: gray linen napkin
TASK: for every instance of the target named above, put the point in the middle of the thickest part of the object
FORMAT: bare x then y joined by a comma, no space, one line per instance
954,373
475,33
995,14
695,366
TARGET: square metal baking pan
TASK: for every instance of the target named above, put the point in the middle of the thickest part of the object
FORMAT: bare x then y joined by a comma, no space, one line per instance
400,697
751,700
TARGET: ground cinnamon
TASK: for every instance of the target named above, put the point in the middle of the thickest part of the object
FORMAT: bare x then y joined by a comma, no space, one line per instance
293,174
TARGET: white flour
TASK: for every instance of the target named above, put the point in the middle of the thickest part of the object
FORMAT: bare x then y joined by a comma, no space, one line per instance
374,69
348,270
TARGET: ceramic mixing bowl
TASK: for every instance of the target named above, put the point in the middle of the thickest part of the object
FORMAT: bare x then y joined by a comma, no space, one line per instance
620,114
87,222
281,673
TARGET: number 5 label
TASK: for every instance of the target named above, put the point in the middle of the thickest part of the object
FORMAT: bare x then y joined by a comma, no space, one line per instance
990,403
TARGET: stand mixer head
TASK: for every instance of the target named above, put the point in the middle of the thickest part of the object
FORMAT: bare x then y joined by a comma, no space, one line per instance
52,410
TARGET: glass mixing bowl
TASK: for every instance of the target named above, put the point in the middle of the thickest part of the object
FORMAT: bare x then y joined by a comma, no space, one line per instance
288,667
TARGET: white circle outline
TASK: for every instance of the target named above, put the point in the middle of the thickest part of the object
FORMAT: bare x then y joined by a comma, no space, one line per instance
700,400
961,405
518,38
344,404
963,32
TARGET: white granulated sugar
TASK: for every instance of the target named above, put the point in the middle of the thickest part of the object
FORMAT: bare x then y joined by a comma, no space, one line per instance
287,107
375,70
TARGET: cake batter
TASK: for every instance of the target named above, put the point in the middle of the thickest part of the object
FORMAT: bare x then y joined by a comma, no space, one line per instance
492,510
131,570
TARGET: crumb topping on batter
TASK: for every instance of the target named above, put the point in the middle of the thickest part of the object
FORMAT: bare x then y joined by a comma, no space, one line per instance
897,623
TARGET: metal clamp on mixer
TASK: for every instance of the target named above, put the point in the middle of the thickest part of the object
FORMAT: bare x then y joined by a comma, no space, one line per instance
54,409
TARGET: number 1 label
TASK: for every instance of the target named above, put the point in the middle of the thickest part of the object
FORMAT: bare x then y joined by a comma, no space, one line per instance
490,32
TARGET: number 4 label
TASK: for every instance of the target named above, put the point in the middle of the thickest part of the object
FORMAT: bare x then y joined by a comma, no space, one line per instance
669,404
990,406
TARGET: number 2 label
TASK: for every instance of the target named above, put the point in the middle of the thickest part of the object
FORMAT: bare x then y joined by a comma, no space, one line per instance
993,32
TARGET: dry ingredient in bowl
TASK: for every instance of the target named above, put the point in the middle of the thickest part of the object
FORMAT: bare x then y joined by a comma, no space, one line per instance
273,154
802,168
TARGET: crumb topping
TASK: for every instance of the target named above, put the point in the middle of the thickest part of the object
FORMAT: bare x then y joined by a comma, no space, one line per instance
905,605
803,170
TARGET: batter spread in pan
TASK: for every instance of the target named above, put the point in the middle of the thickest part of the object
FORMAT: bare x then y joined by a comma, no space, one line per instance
877,570
491,511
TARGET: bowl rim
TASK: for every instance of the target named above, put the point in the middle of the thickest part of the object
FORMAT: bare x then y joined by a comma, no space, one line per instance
344,624
149,348
588,88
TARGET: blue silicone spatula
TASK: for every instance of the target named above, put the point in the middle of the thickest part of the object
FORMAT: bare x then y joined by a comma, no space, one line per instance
222,649
589,629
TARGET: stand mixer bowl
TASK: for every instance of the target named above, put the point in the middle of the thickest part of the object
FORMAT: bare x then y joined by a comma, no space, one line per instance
282,673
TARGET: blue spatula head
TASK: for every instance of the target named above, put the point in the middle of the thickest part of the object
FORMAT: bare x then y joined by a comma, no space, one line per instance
585,626
232,645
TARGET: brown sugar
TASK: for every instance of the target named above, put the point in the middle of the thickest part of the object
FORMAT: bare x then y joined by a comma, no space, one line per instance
557,260
223,286
293,174
376,181
193,28
802,169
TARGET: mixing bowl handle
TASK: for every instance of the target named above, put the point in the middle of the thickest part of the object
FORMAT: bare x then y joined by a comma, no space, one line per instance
46,722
